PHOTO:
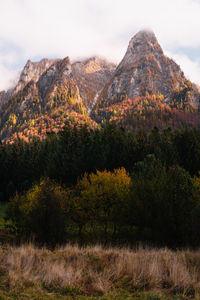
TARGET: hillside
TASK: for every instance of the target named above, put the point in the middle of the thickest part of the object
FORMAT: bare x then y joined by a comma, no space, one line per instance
146,89
45,99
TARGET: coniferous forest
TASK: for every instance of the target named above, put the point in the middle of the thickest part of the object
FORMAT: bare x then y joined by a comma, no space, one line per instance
104,185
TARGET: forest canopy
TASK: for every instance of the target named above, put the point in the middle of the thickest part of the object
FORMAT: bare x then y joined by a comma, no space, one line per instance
107,185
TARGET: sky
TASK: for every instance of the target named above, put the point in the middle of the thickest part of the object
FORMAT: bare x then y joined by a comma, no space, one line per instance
34,29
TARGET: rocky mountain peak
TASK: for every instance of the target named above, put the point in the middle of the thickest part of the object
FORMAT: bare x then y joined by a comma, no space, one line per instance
100,62
91,76
58,92
145,35
145,70
65,66
143,43
32,72
59,73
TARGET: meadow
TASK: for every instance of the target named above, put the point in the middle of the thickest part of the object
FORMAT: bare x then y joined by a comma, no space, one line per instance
94,272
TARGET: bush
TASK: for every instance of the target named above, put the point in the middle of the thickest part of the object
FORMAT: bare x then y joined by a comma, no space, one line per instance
39,213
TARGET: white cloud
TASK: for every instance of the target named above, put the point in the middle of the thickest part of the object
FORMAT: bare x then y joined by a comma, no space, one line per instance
8,78
57,28
191,68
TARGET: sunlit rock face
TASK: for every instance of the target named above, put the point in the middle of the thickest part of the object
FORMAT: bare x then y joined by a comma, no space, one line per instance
32,72
91,75
46,98
143,69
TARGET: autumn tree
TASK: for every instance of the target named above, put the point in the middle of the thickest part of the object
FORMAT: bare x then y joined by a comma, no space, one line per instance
101,197
39,213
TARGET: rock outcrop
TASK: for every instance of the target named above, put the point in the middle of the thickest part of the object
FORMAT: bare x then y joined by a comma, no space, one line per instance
46,98
32,72
91,76
145,69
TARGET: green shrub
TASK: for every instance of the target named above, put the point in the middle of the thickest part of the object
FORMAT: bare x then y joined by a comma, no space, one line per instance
39,213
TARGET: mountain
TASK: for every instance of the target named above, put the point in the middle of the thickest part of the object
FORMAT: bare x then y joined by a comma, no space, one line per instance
31,72
91,76
5,95
146,89
145,68
145,73
45,99
52,93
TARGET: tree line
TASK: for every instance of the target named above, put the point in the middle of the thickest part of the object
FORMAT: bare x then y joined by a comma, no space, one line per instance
107,184
155,204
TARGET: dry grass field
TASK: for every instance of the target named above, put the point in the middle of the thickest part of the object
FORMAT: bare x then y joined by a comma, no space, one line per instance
71,272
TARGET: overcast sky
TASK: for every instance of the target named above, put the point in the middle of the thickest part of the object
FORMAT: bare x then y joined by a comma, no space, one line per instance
33,29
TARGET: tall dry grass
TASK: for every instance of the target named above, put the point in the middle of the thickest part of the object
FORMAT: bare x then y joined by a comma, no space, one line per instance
94,269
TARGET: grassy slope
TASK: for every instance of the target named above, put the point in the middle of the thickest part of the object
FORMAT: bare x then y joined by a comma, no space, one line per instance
41,294
94,273
87,273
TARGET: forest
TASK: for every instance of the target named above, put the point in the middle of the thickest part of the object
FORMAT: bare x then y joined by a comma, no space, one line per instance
104,185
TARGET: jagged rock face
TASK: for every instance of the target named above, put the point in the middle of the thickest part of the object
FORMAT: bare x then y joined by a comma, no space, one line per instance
32,72
91,76
144,68
57,76
47,102
5,95
87,77
51,93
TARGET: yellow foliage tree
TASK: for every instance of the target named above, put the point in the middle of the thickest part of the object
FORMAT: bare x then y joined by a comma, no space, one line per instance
101,197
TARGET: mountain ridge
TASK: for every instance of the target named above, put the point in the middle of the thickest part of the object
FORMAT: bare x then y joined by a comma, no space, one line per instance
94,90
145,75
145,68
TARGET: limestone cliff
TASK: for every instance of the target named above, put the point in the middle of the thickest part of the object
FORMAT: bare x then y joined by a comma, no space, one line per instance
145,69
